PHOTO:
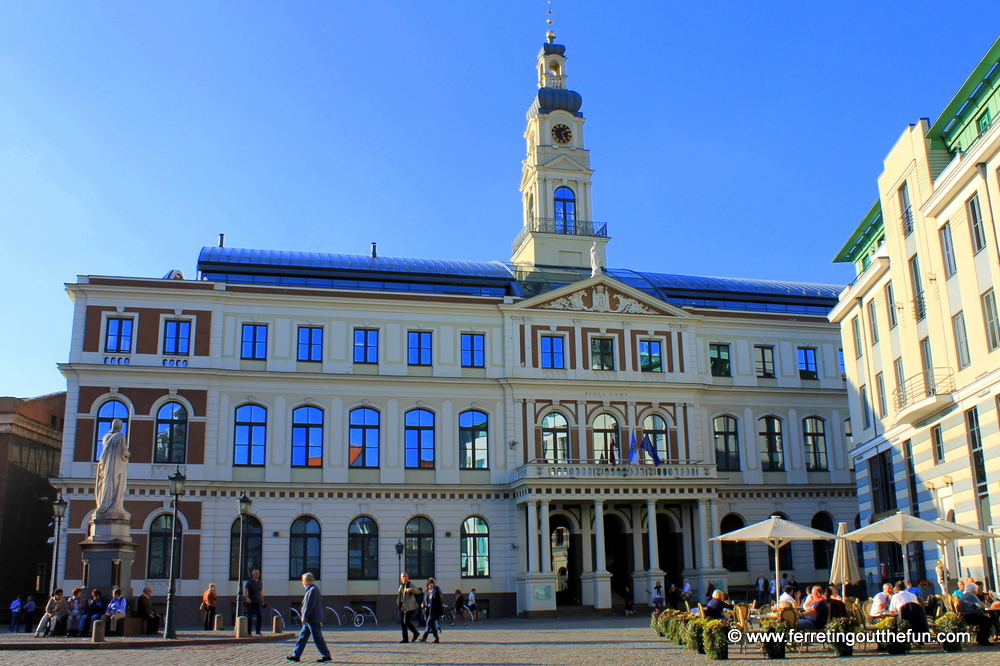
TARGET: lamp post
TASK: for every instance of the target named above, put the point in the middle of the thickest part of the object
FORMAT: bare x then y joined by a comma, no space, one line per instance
399,559
176,489
58,511
245,503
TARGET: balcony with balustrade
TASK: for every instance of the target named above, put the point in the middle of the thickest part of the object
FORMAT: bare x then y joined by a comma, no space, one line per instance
682,479
923,394
564,226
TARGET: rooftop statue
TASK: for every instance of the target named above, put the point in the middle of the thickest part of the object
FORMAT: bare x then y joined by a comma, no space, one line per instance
111,472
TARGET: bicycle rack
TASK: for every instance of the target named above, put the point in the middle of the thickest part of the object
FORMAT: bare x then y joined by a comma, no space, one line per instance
339,623
372,613
298,616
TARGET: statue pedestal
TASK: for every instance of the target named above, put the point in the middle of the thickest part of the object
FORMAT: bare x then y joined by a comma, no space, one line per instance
108,553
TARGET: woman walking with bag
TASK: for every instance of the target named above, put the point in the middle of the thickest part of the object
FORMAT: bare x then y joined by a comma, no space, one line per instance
435,609
209,600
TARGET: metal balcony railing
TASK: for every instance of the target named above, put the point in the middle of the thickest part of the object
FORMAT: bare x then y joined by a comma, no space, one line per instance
919,307
936,381
555,81
907,221
569,226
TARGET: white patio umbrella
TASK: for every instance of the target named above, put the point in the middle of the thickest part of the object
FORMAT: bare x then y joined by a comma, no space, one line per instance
844,568
775,532
903,528
971,533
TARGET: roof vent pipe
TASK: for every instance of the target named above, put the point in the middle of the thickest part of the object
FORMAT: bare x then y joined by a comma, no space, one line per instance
374,250
222,240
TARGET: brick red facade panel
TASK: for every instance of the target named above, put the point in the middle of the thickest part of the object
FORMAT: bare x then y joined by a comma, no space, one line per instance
203,331
140,441
191,556
74,559
198,400
83,450
143,398
88,394
92,327
148,338
196,443
141,558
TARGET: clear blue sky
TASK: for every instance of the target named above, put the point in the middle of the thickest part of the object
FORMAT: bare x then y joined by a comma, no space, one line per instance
729,138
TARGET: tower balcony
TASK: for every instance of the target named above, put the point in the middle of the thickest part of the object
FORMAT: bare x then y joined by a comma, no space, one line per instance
560,226
924,394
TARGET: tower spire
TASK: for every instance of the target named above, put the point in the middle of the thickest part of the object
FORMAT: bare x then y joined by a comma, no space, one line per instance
550,36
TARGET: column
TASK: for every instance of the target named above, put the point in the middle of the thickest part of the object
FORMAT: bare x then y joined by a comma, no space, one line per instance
599,535
654,551
701,533
588,554
636,538
532,540
546,538
713,527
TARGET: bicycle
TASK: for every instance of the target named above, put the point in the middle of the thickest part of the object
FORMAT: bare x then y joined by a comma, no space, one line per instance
357,618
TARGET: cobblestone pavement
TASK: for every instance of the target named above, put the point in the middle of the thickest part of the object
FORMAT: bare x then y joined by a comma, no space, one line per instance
603,642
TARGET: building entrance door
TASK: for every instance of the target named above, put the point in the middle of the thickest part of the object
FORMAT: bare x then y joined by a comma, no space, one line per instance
616,552
567,563
670,545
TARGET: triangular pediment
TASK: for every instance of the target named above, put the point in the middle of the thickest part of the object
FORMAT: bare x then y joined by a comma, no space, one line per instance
602,294
564,163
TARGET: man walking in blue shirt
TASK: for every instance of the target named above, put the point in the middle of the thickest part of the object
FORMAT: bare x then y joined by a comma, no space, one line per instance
312,621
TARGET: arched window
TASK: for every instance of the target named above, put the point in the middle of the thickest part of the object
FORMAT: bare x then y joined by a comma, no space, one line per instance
565,209
785,559
362,549
606,439
814,442
658,430
109,411
734,553
171,433
419,548
822,550
419,432
475,548
158,563
307,437
727,444
473,440
555,438
364,437
304,548
251,426
253,545
772,458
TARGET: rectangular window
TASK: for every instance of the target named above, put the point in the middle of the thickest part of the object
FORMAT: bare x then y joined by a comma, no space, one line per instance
961,340
866,414
905,212
807,363
764,361
897,367
840,362
118,336
365,345
473,350
176,337
883,482
254,341
990,317
856,330
883,407
310,343
552,352
890,305
602,353
948,250
718,356
976,223
978,468
650,356
872,321
418,348
937,443
919,310
984,122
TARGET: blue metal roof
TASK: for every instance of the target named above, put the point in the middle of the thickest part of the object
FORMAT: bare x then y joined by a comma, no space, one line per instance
351,262
727,285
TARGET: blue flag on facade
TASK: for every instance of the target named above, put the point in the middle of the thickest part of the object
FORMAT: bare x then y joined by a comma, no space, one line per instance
648,447
633,452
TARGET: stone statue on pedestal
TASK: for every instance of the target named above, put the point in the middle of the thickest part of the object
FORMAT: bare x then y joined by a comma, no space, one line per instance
112,473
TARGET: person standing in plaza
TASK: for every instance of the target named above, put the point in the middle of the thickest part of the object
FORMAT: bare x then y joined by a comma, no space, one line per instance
658,596
209,600
15,614
312,621
28,614
472,604
762,586
435,609
254,596
406,600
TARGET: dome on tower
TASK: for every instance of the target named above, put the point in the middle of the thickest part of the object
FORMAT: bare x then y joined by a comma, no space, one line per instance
556,99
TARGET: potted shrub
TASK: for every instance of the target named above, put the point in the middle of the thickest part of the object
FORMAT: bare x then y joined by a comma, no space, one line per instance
679,628
693,637
774,649
656,622
950,623
716,639
895,626
842,625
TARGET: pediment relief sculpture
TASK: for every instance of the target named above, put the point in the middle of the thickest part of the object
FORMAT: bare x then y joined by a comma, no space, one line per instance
599,299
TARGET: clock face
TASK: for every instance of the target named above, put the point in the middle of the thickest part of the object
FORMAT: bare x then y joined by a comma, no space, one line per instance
562,134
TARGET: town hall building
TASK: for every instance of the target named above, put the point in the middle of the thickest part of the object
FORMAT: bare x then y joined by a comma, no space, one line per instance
479,415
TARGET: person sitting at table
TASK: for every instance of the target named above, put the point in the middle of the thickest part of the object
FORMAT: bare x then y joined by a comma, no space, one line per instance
816,615
837,606
974,612
786,597
716,605
815,595
913,589
880,602
907,606
982,592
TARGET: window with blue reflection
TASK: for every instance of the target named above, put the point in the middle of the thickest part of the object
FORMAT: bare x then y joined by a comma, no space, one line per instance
552,351
176,337
251,426
364,438
419,439
118,336
473,350
109,411
310,346
565,210
473,440
307,437
418,350
365,345
254,341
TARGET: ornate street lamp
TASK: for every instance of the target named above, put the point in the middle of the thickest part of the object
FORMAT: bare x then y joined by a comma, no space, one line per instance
399,559
245,503
176,489
58,511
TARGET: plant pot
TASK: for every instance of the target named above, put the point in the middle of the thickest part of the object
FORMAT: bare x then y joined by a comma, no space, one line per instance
774,650
951,646
897,647
722,653
843,650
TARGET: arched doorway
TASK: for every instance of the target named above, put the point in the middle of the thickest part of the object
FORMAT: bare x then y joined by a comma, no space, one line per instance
617,547
670,545
567,560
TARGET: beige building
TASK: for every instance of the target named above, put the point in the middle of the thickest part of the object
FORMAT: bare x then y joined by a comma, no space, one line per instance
921,333
480,415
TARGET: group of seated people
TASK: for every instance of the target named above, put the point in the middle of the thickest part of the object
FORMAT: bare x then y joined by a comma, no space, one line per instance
80,613
979,609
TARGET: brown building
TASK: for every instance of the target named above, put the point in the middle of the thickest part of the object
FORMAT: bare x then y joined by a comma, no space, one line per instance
30,444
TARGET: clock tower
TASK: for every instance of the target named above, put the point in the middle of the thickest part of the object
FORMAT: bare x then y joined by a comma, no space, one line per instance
559,231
